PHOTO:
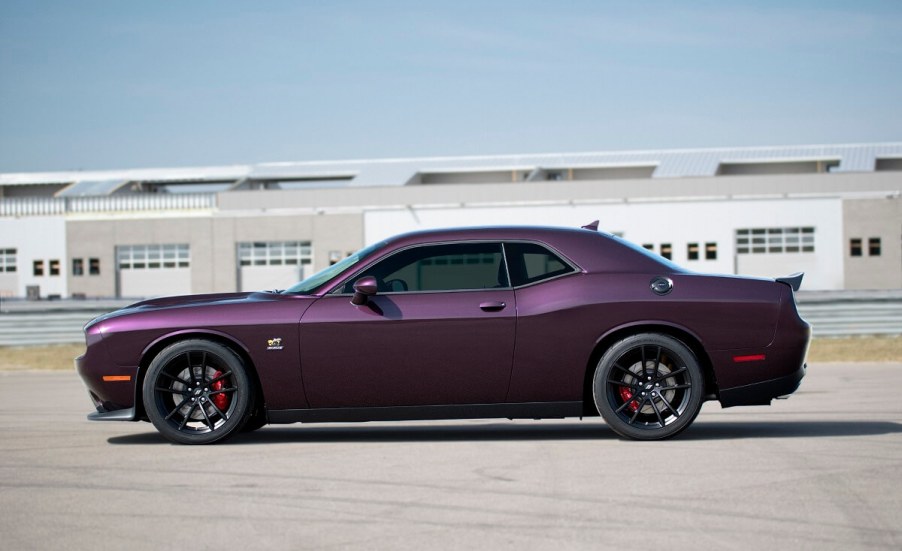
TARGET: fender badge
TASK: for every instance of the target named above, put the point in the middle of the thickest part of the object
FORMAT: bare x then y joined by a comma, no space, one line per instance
274,343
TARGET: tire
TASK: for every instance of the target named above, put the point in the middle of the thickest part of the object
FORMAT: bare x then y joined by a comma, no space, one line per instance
197,392
648,387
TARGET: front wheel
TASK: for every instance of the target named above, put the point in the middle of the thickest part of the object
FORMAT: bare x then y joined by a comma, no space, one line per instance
197,392
648,387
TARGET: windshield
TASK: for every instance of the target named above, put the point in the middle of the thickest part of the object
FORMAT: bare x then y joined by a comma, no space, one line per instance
319,278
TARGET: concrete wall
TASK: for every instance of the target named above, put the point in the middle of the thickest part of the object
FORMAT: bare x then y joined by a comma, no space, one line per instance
212,240
864,219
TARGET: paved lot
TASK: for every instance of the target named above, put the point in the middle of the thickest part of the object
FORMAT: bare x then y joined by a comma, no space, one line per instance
822,470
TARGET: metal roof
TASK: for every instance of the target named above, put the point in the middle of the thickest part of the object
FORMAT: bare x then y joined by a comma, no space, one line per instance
667,163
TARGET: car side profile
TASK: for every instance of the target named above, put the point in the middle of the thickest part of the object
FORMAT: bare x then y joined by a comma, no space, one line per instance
492,322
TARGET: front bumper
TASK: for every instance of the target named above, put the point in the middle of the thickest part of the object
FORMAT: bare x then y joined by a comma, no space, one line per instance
127,414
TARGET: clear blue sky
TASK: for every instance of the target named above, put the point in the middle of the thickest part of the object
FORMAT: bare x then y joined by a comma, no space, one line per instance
122,84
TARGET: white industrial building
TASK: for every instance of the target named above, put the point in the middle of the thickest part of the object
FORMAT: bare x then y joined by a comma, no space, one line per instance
833,212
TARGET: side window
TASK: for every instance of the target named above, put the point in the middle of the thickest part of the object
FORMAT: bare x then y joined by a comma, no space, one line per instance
530,262
458,266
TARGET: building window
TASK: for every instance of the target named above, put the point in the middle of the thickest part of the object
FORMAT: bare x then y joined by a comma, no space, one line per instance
94,266
7,260
666,250
855,247
874,246
78,266
710,251
147,257
775,240
692,251
54,267
38,268
275,253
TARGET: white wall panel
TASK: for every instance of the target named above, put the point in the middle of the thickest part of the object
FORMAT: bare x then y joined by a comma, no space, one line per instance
37,238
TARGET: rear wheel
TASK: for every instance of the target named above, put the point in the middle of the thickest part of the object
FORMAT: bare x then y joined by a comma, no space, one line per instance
648,387
197,392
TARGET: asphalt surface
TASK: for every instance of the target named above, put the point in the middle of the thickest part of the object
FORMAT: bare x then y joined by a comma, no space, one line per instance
822,470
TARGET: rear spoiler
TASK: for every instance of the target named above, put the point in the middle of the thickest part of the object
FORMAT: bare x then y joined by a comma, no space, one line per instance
794,280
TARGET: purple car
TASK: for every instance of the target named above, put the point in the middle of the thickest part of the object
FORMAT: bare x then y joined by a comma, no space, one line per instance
515,322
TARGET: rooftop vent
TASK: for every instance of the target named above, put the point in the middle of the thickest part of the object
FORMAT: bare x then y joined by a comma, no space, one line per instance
889,165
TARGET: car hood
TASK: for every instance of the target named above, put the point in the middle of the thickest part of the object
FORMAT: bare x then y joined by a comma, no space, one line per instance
185,301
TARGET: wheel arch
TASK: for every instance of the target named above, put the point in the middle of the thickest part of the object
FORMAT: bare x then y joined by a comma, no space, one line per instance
155,347
619,333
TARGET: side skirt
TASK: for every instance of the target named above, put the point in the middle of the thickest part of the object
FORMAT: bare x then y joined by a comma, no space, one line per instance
529,410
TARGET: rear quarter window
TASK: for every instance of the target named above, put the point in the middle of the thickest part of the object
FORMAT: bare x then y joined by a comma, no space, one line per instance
531,263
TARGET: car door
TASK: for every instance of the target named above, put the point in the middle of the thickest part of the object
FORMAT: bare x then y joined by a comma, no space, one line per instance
440,330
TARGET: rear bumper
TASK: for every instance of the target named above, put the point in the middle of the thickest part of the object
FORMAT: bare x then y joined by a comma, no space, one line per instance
761,394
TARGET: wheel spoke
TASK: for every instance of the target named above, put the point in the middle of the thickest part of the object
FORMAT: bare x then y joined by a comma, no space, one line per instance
218,411
187,416
674,387
632,398
625,370
177,408
171,390
642,351
222,390
657,412
221,377
658,361
209,421
176,379
636,413
632,386
672,374
669,406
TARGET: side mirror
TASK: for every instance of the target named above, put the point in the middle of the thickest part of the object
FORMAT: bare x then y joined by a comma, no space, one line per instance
364,288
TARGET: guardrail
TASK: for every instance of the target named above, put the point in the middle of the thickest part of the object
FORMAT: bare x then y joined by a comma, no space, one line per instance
830,314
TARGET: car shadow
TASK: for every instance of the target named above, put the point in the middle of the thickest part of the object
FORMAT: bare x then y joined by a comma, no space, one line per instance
587,430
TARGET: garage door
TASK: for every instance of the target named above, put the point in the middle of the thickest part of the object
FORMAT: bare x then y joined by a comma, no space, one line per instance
153,270
267,265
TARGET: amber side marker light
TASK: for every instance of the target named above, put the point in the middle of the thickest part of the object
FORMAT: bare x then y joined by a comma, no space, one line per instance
750,358
111,378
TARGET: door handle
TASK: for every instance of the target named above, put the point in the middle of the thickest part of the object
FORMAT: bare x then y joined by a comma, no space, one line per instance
492,305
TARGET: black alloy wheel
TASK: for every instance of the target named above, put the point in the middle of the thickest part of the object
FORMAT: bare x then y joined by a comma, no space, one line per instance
648,387
197,392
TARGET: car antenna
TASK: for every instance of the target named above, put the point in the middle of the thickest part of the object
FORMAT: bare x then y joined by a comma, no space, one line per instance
591,226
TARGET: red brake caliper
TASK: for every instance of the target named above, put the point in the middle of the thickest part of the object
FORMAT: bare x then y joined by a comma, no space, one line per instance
626,394
219,400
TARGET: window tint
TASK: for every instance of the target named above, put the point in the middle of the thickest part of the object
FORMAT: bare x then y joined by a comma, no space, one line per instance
530,262
439,268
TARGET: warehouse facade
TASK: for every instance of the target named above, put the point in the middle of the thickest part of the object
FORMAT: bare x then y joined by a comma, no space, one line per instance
833,212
